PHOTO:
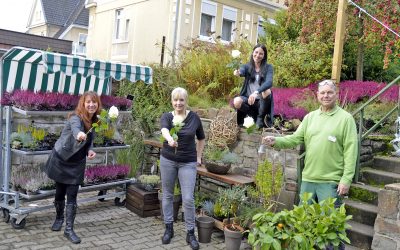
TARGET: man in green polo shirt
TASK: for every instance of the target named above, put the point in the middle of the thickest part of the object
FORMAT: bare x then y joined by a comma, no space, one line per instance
330,138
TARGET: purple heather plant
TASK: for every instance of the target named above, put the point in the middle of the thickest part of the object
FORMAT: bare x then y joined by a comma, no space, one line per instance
102,173
120,102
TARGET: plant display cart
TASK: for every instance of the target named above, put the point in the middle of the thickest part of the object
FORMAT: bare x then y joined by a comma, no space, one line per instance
34,70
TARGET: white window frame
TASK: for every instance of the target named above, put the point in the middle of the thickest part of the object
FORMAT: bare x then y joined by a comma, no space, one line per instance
121,30
78,45
233,20
213,17
262,20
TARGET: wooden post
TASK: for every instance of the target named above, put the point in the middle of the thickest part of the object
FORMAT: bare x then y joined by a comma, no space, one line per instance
339,40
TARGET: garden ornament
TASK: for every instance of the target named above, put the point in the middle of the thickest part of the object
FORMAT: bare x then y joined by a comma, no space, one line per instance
396,142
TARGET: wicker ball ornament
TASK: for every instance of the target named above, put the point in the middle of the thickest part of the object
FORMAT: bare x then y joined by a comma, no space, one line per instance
223,132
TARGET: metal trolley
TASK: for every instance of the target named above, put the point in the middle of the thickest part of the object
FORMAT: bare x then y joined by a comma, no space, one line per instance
35,70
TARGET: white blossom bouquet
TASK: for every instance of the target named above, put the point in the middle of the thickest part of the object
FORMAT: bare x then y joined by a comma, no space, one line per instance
104,119
235,63
177,124
249,124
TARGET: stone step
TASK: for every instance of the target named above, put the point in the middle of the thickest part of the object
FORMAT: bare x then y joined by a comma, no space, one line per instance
364,193
379,177
362,212
351,247
360,235
385,163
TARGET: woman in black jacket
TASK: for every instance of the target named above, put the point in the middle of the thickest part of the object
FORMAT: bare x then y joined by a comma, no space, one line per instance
66,163
255,98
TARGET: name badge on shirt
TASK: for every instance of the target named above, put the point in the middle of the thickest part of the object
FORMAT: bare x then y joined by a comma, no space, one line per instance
332,138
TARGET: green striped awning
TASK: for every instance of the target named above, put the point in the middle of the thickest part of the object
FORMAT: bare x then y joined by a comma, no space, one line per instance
36,70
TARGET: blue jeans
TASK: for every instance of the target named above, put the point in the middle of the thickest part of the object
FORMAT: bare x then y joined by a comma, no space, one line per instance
186,173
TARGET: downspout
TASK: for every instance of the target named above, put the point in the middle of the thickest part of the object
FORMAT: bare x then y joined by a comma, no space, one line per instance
175,32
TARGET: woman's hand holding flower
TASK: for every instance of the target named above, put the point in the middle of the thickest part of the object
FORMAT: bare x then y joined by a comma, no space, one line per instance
81,136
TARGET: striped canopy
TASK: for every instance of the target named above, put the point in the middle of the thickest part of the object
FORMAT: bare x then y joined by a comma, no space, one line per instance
35,70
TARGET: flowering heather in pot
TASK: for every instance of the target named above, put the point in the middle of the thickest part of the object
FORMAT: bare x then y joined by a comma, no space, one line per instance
5,99
283,104
101,173
354,91
120,102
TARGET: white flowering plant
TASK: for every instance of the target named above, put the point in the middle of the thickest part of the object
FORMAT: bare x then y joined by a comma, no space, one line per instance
177,124
249,124
235,63
104,119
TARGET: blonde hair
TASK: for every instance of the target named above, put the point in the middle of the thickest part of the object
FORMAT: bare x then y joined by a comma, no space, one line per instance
179,92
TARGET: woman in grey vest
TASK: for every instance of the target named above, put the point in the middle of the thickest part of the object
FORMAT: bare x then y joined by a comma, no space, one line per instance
67,161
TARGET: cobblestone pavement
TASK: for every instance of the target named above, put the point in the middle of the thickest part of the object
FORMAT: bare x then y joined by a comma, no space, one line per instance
101,225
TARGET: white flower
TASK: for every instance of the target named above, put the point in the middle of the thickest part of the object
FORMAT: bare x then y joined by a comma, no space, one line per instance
177,120
235,53
113,112
248,122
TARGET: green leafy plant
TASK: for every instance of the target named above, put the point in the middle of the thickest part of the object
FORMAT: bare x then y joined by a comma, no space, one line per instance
306,226
230,200
269,179
217,154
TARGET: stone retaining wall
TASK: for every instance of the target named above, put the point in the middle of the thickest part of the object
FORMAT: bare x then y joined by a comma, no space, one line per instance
387,223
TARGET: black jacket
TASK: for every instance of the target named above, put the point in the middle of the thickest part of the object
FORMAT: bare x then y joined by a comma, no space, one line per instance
264,85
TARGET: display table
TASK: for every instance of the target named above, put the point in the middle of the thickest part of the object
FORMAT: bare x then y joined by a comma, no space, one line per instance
230,179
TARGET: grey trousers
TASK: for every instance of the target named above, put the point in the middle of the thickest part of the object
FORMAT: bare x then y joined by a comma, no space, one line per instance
186,173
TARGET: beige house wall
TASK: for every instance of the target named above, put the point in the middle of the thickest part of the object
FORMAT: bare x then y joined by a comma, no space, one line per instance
150,20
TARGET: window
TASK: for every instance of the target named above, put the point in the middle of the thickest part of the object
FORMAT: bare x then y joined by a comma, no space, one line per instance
121,26
207,22
80,48
260,28
38,15
228,24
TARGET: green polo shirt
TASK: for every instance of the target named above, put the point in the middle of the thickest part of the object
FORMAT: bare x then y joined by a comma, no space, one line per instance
330,140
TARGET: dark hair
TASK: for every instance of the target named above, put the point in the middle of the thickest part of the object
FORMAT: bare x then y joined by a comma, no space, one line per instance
81,111
252,65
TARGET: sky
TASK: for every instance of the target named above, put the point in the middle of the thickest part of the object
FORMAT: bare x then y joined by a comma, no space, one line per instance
14,14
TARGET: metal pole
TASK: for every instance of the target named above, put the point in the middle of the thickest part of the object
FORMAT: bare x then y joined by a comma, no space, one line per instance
175,32
1,127
162,51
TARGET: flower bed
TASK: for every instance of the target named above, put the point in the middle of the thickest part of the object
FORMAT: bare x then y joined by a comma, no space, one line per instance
46,101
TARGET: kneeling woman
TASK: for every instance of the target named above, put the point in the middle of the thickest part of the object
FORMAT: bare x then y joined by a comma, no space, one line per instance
66,163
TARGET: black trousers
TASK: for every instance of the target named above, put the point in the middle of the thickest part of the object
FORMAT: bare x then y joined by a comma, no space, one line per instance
70,190
260,109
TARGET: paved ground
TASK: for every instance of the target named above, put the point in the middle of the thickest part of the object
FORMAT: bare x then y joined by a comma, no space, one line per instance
101,225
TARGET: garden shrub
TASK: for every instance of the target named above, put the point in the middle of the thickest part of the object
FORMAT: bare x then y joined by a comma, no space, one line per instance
204,71
297,64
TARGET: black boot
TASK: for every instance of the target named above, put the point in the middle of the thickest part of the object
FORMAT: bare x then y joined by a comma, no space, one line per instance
168,234
264,106
191,240
69,228
59,215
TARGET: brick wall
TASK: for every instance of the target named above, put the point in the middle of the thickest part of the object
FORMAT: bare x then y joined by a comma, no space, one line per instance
387,223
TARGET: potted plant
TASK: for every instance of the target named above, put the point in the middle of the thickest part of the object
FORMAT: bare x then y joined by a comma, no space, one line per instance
149,182
307,226
103,173
218,160
205,223
230,200
32,186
